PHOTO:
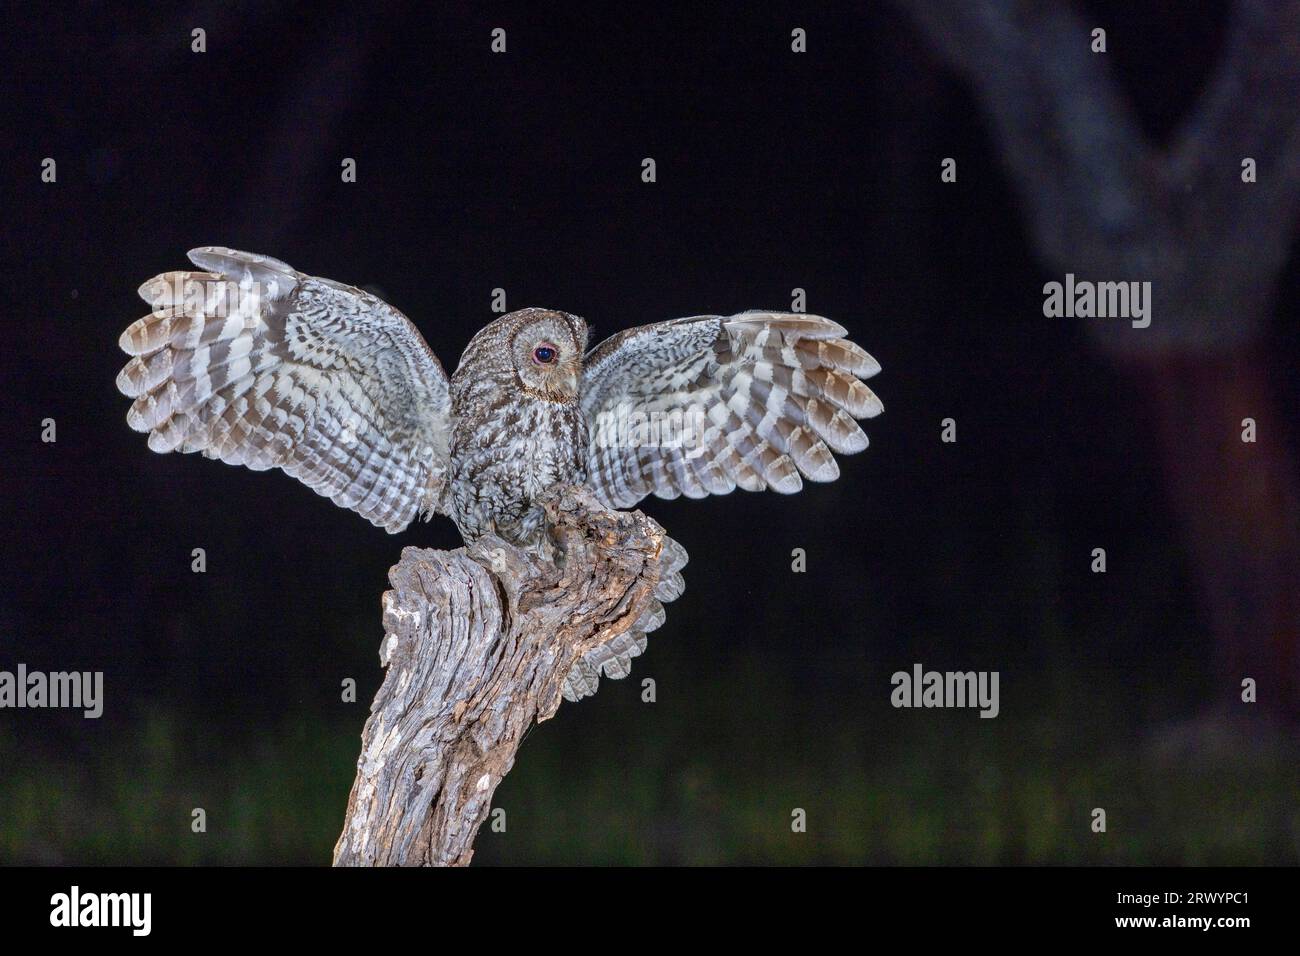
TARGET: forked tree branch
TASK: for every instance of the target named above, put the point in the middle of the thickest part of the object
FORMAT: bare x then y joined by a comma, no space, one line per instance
477,644
1105,201
1102,200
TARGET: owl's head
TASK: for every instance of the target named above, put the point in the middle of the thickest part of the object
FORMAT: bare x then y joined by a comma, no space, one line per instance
546,350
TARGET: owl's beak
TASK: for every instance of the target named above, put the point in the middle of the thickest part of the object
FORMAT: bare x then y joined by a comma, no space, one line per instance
571,377
560,381
570,374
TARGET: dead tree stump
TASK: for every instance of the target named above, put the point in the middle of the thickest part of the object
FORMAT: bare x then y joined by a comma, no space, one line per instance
478,643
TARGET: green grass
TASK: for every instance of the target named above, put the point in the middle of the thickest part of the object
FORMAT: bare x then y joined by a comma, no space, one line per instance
617,781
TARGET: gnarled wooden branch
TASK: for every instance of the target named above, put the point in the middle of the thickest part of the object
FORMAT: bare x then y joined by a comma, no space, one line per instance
479,643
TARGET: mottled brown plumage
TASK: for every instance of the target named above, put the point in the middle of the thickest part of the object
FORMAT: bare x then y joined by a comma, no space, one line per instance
516,424
255,363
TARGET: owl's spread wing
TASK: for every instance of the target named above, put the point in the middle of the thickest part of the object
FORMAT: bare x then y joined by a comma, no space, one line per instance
703,405
257,364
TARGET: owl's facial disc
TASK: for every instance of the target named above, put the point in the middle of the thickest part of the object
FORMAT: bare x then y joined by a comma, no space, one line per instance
548,358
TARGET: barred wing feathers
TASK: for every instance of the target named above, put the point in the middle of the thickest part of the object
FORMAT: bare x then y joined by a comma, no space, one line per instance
773,394
257,364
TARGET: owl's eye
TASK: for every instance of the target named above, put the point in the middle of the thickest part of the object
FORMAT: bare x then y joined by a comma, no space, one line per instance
544,354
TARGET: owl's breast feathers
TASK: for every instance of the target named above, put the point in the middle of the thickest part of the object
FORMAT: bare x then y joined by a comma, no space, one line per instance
508,448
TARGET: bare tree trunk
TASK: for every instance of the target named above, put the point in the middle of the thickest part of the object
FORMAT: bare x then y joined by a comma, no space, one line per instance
478,644
1104,203
1239,505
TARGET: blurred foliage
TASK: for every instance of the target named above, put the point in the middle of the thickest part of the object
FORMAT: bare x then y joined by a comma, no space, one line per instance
618,781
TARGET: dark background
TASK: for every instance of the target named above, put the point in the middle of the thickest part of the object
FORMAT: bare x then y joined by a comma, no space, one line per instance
522,171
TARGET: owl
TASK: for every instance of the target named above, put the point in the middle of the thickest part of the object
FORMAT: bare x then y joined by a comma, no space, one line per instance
256,364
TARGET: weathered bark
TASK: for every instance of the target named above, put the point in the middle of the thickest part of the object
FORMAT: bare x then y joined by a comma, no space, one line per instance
1105,203
478,643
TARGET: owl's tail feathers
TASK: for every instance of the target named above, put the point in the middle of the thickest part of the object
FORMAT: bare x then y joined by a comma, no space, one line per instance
672,559
613,659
